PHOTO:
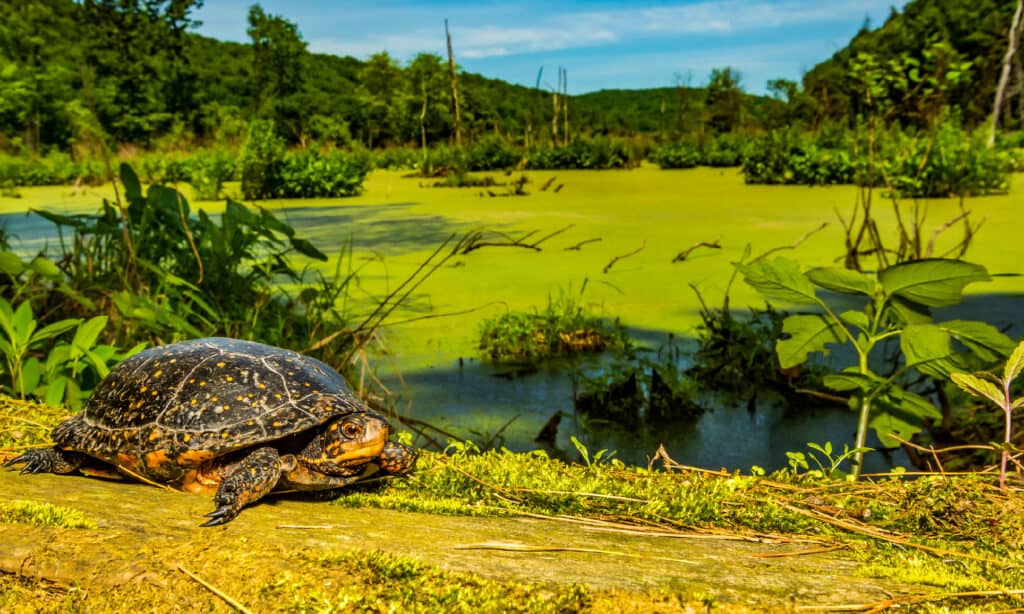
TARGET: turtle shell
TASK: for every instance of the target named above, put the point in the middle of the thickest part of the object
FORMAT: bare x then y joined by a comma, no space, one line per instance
180,405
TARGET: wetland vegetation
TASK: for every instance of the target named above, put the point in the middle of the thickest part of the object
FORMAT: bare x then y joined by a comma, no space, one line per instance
685,279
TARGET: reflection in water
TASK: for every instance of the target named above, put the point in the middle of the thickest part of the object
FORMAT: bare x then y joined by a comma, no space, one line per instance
479,399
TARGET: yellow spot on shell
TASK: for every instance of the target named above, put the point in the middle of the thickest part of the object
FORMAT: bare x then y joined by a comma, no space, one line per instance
193,402
154,435
201,384
144,389
229,378
277,423
277,395
154,392
262,385
158,373
221,363
226,407
239,398
224,435
187,438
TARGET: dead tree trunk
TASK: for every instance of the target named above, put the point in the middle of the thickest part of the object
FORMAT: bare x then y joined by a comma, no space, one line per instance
554,110
1004,76
565,106
455,86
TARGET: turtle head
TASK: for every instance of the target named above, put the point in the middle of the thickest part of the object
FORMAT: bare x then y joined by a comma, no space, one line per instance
347,442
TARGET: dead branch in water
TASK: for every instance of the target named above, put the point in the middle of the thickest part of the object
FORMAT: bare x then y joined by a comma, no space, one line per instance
581,244
612,262
478,243
683,255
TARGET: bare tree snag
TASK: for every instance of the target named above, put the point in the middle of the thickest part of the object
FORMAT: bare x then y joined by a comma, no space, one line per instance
576,248
1004,76
612,262
565,106
455,86
683,255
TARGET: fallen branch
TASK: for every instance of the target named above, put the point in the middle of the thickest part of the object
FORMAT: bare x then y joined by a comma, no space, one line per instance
611,263
581,244
683,255
477,243
792,245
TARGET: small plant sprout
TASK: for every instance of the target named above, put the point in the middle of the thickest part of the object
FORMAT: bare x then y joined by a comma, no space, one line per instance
989,386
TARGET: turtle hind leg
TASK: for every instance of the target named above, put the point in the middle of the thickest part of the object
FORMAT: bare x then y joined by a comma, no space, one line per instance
49,460
248,481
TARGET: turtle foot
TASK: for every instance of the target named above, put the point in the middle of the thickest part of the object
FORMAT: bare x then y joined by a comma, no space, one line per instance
250,479
38,460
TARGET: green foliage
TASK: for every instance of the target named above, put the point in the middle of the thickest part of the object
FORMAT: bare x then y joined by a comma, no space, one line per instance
44,515
68,371
262,161
312,174
997,390
828,465
895,303
679,155
564,328
587,154
53,169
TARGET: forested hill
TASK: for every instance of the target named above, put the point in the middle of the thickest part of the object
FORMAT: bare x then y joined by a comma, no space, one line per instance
136,69
973,30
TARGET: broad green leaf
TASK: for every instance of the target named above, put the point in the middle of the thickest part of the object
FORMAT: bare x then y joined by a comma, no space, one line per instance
856,318
924,346
55,391
841,280
1015,364
908,312
934,283
24,324
86,335
130,181
850,380
57,328
269,220
306,248
167,199
97,362
900,413
779,279
45,267
978,387
31,373
11,263
807,333
984,340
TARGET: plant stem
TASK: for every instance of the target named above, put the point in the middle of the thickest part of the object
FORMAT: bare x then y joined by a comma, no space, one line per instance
1008,410
862,435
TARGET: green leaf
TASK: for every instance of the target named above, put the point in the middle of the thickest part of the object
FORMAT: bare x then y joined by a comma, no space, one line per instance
978,387
45,267
306,248
856,318
57,328
1015,364
167,199
924,346
807,333
779,279
984,340
130,181
908,312
86,335
901,413
850,380
11,263
31,373
55,391
840,280
24,324
934,283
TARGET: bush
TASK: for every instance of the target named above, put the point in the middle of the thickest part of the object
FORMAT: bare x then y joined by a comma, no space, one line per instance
588,154
52,169
491,153
678,155
311,174
262,161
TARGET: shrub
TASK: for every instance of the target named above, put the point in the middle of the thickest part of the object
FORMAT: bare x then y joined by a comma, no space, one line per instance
588,154
491,153
262,161
678,155
311,174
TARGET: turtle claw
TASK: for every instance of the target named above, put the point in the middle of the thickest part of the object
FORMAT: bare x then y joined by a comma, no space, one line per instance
222,515
37,460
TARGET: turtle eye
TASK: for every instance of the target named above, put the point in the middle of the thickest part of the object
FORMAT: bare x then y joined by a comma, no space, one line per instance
351,429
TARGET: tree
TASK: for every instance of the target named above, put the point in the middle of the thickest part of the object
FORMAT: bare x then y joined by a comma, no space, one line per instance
278,70
382,96
426,82
724,100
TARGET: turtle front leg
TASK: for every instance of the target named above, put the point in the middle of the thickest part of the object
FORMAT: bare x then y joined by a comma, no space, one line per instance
248,481
49,460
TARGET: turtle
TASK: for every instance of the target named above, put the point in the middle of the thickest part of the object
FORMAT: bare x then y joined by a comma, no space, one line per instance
235,419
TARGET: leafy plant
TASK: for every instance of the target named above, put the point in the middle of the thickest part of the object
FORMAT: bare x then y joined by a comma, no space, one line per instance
997,390
896,303
828,465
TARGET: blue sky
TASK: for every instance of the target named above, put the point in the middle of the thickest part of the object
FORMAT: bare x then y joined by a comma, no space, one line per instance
604,45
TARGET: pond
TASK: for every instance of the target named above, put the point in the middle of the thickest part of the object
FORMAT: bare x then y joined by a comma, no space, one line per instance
626,228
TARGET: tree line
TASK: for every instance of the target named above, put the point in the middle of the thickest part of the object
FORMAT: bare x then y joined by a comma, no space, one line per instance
135,71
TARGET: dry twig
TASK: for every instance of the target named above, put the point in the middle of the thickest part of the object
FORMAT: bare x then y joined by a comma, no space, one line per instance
216,591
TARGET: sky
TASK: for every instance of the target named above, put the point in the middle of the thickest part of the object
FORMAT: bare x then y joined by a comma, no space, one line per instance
601,44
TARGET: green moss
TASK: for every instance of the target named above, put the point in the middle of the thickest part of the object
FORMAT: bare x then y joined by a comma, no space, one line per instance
44,515
380,582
